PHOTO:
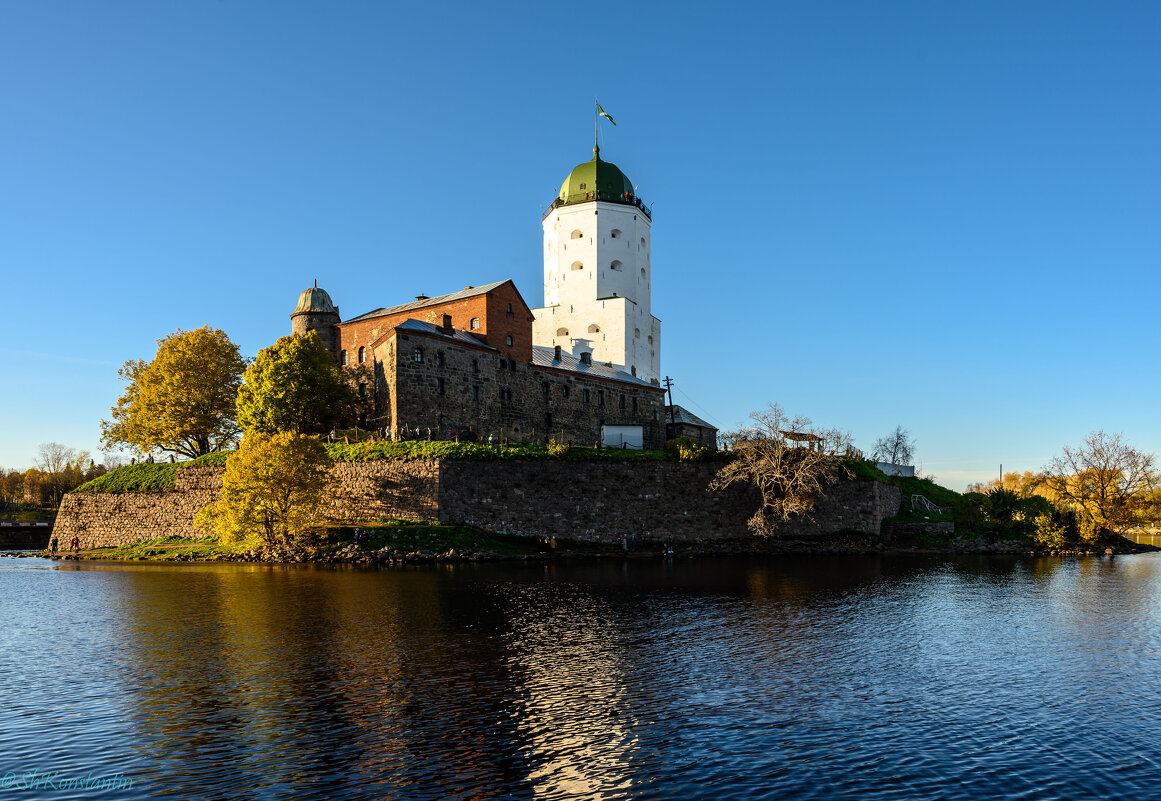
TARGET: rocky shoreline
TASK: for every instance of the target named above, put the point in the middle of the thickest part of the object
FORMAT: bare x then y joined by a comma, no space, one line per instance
357,555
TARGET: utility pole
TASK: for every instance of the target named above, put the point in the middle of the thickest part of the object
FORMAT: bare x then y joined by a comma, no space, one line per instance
672,413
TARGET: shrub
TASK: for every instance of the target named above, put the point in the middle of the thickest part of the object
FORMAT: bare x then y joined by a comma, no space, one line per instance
1048,533
686,449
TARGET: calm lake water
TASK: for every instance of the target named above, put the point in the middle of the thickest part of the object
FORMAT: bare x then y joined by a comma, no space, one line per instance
860,678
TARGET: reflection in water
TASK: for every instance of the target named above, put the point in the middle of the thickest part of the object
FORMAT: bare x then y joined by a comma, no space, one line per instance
803,677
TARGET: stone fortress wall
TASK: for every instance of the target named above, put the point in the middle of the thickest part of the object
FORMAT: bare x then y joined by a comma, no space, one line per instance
596,501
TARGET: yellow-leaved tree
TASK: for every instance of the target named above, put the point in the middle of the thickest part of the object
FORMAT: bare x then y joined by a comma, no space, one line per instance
273,489
183,401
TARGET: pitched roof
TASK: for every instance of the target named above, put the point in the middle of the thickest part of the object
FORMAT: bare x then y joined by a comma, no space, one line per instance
544,357
687,417
457,334
420,304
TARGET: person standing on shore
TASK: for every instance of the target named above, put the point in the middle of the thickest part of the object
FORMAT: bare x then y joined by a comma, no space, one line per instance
52,545
75,544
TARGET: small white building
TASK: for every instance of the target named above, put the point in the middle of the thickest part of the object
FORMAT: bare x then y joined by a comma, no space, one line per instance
597,273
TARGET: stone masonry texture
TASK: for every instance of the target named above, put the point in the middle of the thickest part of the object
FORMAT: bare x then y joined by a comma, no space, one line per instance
587,501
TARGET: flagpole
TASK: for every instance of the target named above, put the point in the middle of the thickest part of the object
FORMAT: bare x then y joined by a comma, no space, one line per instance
596,126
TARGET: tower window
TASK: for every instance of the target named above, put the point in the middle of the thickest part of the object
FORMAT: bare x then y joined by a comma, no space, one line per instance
576,265
562,332
475,323
439,386
650,339
594,329
642,243
615,234
509,308
615,266
634,371
584,186
636,333
417,355
508,340
362,354
577,234
642,273
343,358
439,358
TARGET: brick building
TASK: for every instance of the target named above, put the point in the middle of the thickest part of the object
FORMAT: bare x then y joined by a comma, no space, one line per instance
481,363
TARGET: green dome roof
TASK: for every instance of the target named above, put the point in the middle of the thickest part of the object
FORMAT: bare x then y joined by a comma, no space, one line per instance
593,176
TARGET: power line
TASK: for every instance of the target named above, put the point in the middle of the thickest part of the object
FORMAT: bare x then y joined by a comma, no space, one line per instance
701,408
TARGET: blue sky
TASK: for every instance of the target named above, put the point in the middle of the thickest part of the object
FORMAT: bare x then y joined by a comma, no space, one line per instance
945,216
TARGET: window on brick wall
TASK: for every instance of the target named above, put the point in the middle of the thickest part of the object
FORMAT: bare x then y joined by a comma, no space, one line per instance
622,400
585,395
505,394
362,354
634,406
439,358
548,420
417,355
475,323
600,397
508,340
439,386
343,358
546,387
564,391
475,366
476,393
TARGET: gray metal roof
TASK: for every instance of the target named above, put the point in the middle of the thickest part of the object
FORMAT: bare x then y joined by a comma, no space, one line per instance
420,304
543,357
687,417
456,335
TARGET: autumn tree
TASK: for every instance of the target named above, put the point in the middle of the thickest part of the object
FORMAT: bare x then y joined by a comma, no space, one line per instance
898,447
271,490
1110,484
295,385
62,469
790,461
182,402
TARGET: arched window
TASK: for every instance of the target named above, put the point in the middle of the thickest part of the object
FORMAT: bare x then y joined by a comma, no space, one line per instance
636,333
475,323
615,233
576,265
343,358
615,266
594,329
362,354
650,339
562,332
642,273
642,246
577,234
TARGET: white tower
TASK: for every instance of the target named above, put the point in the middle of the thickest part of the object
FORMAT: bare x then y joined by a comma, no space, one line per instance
597,273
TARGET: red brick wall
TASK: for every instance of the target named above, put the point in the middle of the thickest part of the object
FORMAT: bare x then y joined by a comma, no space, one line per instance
496,324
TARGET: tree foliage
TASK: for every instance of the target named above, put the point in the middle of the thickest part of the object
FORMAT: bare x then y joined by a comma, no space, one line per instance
272,489
788,459
295,385
182,402
898,447
1110,484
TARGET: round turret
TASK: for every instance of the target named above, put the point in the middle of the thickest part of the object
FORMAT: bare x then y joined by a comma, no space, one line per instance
316,312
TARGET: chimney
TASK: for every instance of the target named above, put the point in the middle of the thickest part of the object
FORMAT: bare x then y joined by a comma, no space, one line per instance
421,297
556,357
447,325
586,358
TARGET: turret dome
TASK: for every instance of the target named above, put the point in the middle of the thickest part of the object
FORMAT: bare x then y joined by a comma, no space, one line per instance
596,180
315,300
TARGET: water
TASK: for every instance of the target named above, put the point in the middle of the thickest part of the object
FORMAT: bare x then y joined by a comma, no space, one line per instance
859,678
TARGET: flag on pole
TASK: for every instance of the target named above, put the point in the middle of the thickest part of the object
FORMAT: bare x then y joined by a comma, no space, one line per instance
602,113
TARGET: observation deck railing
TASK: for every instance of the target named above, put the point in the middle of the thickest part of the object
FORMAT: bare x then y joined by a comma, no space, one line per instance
624,198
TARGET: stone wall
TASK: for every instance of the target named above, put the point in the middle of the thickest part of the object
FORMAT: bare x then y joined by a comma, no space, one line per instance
600,501
605,501
103,519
